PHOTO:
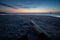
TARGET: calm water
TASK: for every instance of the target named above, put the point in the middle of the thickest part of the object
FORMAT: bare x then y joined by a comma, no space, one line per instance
16,26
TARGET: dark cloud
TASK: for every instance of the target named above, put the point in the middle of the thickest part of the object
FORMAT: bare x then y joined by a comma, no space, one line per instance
3,4
21,4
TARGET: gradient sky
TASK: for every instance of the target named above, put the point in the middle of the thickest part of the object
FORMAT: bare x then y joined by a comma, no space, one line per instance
29,5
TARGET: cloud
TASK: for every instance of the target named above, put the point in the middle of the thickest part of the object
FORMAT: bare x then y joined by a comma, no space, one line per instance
26,6
3,4
33,4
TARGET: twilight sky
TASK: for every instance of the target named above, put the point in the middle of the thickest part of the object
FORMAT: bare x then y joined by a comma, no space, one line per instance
29,6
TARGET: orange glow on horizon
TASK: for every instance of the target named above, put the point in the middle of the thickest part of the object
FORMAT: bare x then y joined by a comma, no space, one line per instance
29,11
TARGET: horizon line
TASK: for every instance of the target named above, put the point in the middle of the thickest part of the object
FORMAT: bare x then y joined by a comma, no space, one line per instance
30,11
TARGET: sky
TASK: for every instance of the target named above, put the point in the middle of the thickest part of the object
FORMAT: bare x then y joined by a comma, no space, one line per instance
27,6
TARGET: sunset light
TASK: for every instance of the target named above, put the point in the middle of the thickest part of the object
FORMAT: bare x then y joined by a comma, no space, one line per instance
29,6
29,11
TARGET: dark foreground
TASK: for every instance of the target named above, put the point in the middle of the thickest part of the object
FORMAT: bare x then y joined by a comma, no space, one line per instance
17,27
